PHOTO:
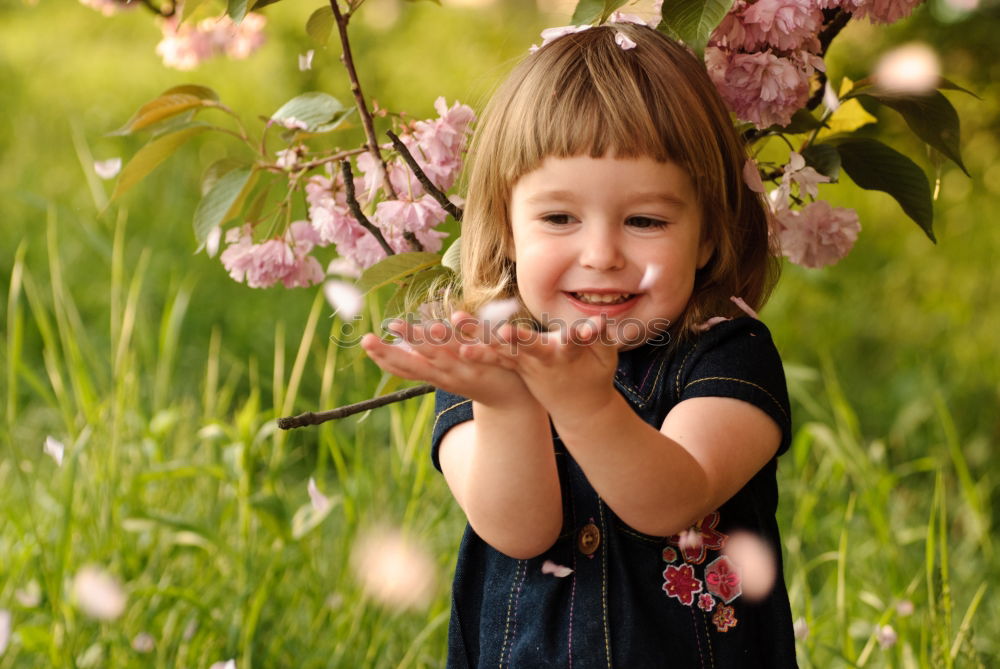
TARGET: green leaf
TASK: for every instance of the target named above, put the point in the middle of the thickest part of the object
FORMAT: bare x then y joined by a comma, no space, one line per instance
171,103
452,258
948,85
396,268
594,11
320,24
237,10
875,166
216,204
692,21
824,158
216,171
336,124
313,109
187,9
931,117
151,155
257,4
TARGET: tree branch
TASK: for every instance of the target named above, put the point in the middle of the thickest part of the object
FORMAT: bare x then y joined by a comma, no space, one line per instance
424,180
837,18
359,99
352,202
311,418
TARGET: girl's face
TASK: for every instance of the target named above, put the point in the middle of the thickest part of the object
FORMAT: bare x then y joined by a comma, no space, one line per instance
607,236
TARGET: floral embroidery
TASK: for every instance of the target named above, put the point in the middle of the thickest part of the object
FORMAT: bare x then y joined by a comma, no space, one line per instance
669,554
724,618
711,539
681,583
706,602
724,579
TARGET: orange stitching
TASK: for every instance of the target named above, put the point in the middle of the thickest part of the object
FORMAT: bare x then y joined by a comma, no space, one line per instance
438,417
749,383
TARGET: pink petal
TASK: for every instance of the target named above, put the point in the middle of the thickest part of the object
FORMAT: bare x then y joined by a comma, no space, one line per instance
306,60
344,297
756,562
649,277
108,169
393,569
54,449
622,40
499,311
98,593
751,176
319,501
5,626
559,571
710,323
738,301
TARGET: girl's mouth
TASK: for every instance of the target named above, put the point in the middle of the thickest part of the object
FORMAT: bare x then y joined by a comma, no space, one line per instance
600,299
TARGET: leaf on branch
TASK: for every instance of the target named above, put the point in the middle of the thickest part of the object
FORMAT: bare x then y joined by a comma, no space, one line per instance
594,11
875,166
948,85
313,109
216,171
692,21
257,4
932,118
215,207
170,103
186,9
151,155
396,268
338,123
824,158
320,24
237,10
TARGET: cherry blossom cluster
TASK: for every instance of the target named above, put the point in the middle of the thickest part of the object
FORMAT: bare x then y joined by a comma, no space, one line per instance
763,54
186,45
437,145
109,7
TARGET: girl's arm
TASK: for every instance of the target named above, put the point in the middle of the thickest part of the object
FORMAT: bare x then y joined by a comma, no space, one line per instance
500,466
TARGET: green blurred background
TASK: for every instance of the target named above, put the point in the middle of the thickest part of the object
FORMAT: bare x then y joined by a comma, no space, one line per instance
891,356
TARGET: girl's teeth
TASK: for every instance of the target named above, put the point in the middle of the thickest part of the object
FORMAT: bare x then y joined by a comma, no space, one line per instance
595,298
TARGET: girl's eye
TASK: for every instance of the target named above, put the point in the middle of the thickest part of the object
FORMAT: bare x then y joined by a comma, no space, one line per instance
557,219
645,222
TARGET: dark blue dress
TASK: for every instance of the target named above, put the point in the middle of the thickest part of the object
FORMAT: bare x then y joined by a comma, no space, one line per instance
634,600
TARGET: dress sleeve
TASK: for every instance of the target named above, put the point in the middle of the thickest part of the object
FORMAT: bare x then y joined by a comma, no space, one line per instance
449,411
738,359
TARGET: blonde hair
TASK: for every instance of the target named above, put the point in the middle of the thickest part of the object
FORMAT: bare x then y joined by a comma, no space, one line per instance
583,94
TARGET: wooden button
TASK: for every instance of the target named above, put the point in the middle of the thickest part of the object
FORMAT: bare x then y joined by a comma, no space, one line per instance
588,539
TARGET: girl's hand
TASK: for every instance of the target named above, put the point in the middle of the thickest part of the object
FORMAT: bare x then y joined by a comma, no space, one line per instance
432,353
568,371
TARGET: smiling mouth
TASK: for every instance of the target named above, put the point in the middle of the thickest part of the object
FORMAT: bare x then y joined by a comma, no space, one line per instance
603,298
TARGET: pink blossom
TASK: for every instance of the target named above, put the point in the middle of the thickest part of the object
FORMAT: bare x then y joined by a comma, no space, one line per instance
283,259
885,11
109,7
806,178
818,235
760,87
786,25
329,214
185,46
442,141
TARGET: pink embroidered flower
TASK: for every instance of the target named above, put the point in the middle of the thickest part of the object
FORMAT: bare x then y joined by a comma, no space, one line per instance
680,583
818,235
706,602
724,618
885,11
711,539
761,87
723,579
669,554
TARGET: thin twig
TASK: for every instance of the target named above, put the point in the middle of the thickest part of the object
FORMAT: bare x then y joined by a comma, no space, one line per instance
424,180
359,98
311,418
352,202
838,18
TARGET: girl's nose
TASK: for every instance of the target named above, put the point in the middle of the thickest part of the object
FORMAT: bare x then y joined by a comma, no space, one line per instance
601,249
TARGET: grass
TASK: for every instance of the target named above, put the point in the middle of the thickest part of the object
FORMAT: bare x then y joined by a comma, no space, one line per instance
163,379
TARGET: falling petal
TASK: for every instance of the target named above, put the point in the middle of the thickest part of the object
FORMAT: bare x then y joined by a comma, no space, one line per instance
394,569
344,267
905,608
622,40
5,626
690,539
320,502
795,162
108,169
710,323
98,593
30,595
404,345
306,60
744,307
830,98
344,297
756,562
55,449
649,277
498,311
912,69
557,570
212,241
751,176
228,664
800,629
886,637
143,643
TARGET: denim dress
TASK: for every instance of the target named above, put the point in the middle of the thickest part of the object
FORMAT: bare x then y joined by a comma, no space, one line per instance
634,600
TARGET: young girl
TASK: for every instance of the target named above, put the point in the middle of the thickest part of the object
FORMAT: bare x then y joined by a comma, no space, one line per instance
604,459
